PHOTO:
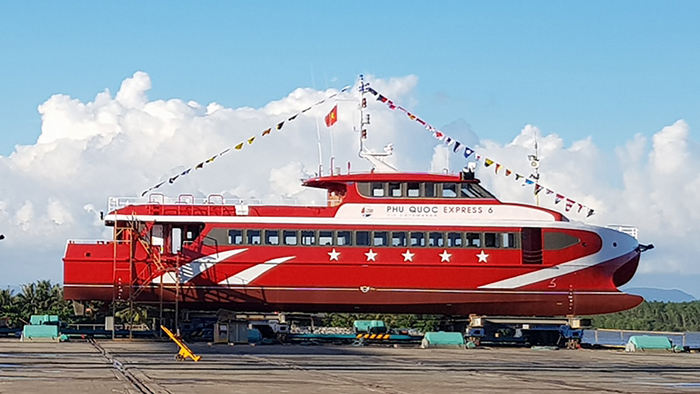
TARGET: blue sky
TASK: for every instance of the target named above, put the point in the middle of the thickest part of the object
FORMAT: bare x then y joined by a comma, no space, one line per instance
618,80
606,69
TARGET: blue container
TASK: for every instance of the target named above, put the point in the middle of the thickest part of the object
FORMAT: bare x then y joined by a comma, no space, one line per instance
254,335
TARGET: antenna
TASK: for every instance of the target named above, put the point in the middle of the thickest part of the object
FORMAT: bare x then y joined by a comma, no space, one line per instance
318,131
363,121
535,165
376,158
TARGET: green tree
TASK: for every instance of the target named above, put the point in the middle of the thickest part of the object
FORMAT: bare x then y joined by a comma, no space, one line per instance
42,298
8,307
654,316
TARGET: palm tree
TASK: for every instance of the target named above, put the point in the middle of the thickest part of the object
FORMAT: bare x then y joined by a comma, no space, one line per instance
42,298
8,306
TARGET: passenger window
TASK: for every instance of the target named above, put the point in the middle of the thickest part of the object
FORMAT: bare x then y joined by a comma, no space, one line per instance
454,240
398,238
381,238
325,237
344,238
449,190
308,237
508,240
413,189
377,189
435,240
467,191
235,237
473,240
253,237
362,238
290,237
364,188
417,239
491,240
394,189
429,189
272,237
557,241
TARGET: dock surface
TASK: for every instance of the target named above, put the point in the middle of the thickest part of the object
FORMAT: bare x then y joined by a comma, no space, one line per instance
150,367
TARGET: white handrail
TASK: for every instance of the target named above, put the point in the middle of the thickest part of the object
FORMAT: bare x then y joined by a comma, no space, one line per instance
115,203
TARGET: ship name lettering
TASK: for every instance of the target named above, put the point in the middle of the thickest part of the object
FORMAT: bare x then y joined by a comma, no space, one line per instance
462,209
423,209
394,209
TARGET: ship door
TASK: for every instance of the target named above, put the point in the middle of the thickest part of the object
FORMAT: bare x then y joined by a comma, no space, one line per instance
531,241
176,240
157,237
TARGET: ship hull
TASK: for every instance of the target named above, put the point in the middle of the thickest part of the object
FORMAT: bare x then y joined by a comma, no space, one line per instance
379,288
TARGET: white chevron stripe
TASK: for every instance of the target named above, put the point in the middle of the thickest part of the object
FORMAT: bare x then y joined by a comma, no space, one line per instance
248,275
196,267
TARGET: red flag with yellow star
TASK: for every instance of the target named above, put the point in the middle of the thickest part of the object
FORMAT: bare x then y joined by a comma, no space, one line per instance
332,116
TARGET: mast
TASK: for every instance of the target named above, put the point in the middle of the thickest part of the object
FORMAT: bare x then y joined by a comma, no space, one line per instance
376,158
535,164
363,121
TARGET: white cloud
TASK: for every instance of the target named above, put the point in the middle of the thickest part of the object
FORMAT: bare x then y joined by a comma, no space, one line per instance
124,144
441,159
120,145
653,188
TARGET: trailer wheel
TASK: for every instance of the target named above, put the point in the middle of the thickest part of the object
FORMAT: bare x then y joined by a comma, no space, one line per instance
475,340
573,343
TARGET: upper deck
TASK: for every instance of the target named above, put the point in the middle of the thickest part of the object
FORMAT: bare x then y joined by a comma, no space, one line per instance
385,195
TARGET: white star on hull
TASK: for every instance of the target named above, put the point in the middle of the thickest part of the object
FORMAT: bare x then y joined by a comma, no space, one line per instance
444,256
371,255
483,257
333,255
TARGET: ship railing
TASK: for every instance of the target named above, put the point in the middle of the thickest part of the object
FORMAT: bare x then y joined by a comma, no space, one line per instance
115,203
95,241
629,230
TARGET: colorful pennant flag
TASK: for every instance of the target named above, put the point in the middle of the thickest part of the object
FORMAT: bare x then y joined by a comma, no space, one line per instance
469,152
239,146
569,204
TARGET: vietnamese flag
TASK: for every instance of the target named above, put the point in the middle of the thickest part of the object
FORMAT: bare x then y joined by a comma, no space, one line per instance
332,116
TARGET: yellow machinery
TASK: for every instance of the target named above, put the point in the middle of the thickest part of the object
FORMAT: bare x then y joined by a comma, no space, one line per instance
184,350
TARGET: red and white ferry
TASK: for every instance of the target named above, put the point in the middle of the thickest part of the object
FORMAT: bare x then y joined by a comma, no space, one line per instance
383,242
